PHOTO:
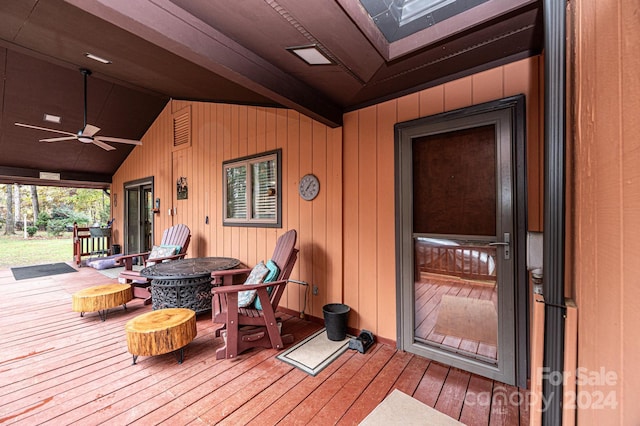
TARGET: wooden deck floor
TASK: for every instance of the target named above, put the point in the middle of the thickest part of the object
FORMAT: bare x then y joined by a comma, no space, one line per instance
428,295
58,368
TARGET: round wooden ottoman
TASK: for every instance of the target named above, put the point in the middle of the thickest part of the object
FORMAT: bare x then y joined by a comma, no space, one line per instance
100,298
160,332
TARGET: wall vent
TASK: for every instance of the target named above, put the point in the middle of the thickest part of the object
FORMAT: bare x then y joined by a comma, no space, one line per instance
182,128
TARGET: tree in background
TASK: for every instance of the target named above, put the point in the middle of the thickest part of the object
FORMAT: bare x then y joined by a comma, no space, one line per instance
34,202
41,203
9,228
16,209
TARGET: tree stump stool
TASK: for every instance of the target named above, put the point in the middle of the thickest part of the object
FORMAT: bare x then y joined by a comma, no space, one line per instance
160,332
100,298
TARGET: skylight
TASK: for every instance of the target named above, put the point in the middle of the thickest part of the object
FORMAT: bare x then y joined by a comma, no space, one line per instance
397,19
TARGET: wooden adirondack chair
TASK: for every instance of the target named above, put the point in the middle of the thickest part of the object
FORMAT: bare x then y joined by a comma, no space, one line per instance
246,328
177,235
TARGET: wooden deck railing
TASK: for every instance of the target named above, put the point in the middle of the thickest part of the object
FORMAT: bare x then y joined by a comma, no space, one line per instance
469,262
90,242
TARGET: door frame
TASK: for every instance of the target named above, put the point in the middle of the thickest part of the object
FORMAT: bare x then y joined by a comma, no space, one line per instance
137,184
511,111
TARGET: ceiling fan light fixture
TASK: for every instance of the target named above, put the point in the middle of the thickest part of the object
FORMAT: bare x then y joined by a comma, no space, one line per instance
97,58
85,135
310,54
52,118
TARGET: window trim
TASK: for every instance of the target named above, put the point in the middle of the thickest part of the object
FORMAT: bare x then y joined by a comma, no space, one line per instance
248,161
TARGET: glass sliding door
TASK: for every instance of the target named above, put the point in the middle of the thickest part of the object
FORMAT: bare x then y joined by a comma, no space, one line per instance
139,216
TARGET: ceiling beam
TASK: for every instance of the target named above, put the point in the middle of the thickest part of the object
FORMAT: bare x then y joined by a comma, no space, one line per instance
26,176
166,25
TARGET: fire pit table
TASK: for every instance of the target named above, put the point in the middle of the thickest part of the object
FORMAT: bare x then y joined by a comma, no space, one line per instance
185,283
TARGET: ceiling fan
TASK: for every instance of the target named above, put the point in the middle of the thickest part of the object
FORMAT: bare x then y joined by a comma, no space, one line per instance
88,133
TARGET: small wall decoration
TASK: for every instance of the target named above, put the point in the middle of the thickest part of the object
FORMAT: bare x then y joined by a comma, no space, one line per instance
182,189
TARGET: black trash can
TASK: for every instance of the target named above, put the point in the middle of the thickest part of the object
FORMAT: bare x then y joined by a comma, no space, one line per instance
335,320
115,249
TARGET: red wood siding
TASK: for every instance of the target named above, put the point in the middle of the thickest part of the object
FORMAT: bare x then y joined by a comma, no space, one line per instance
369,233
222,132
347,234
605,192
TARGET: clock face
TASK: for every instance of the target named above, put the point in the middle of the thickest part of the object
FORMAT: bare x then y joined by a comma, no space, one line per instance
309,187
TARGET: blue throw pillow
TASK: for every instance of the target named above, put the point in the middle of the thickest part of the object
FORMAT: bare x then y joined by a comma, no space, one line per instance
174,247
158,252
257,275
274,271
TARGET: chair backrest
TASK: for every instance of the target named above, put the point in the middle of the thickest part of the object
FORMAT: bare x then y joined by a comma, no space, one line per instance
177,235
284,255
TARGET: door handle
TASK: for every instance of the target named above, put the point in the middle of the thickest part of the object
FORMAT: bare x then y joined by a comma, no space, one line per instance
506,243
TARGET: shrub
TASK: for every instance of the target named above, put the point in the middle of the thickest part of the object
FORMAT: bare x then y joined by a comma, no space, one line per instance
20,225
56,227
31,230
43,220
68,216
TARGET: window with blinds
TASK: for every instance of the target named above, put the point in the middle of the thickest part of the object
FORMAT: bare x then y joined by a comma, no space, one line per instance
252,190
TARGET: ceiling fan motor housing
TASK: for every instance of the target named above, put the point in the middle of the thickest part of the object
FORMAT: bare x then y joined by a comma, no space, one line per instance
84,139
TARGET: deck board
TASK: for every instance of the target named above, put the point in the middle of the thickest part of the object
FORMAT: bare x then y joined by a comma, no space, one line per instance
59,368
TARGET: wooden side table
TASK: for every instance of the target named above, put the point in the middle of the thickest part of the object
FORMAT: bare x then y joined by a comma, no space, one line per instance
100,298
160,332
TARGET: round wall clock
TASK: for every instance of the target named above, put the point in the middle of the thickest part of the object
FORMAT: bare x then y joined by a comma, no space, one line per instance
309,187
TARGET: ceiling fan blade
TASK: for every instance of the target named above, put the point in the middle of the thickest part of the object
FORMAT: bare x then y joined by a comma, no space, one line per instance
62,132
90,130
64,138
103,145
119,140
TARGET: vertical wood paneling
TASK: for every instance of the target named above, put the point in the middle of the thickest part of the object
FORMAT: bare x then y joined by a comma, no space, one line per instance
334,199
458,94
485,85
629,33
408,107
346,235
297,162
320,217
220,151
524,77
367,222
385,227
351,229
252,143
223,132
606,194
431,101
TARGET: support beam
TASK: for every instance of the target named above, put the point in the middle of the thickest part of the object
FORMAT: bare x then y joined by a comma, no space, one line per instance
25,176
168,26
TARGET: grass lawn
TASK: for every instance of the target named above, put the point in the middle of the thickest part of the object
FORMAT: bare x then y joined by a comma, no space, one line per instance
16,251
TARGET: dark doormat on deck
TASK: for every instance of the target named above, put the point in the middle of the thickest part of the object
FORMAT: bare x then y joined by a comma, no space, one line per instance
35,271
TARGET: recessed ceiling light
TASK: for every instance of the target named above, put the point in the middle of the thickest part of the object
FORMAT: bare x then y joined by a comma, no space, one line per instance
52,118
310,54
97,58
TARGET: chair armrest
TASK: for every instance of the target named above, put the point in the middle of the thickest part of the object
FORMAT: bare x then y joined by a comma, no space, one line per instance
244,287
227,272
162,259
227,276
127,260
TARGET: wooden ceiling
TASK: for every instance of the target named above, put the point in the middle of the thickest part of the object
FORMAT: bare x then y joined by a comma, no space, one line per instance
209,50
